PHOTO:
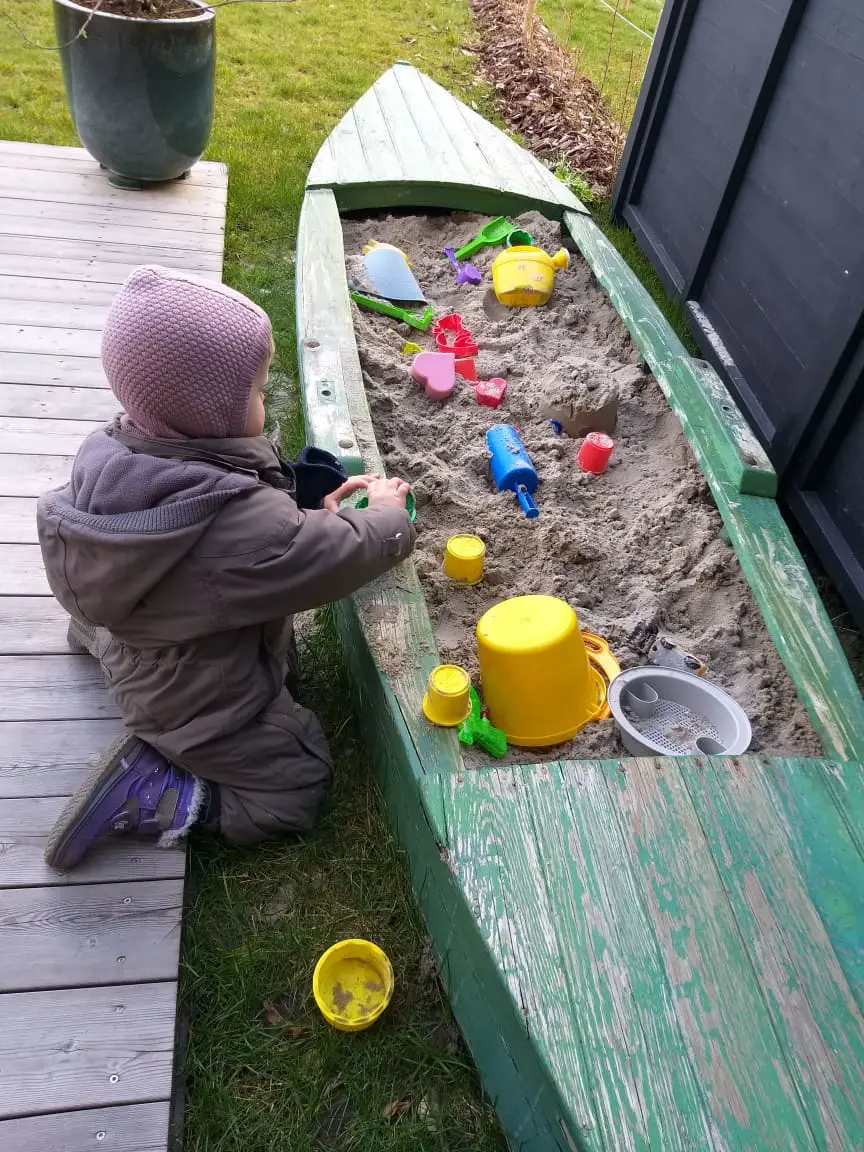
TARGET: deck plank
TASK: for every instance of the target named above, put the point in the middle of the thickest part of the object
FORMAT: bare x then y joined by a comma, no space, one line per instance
408,143
17,520
601,1011
20,310
133,1128
53,688
62,371
454,129
93,185
29,437
89,214
125,253
53,291
25,823
845,782
821,810
93,934
56,161
32,625
88,959
50,758
379,148
205,171
49,341
100,194
112,271
144,235
22,572
31,475
86,1047
29,400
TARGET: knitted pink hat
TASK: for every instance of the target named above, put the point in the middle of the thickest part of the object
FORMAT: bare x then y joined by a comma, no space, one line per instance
180,353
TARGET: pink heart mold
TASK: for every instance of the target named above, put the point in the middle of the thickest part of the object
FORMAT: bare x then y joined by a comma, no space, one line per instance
436,372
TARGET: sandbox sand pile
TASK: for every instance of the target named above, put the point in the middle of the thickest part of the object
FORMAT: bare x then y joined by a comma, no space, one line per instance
636,551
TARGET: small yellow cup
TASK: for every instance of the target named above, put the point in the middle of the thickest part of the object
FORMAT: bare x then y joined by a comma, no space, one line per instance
447,701
463,559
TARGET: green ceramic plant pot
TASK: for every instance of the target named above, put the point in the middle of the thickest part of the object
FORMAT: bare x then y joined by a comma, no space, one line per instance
140,91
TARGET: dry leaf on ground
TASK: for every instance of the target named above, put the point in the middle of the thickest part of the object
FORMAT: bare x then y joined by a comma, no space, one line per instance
396,1108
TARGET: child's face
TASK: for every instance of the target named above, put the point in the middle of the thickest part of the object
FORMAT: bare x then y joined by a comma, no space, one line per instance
255,418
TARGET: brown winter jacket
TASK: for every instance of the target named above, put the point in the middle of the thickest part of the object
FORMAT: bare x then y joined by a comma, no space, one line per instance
193,556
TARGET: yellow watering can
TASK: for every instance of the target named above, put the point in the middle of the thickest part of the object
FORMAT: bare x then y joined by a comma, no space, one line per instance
524,276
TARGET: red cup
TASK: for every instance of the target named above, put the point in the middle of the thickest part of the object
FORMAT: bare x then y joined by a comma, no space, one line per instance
593,455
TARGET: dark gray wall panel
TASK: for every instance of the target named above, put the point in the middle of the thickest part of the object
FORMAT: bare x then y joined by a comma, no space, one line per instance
743,179
727,52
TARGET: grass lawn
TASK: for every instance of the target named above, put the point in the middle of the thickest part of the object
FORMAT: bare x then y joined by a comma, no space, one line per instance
609,51
259,1078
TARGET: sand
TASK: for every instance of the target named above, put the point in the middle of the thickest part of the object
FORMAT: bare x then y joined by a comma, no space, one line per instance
637,551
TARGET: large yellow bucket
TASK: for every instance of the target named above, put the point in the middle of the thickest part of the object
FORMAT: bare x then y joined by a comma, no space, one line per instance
524,276
538,685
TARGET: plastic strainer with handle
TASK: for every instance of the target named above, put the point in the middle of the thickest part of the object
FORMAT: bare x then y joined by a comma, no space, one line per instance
661,712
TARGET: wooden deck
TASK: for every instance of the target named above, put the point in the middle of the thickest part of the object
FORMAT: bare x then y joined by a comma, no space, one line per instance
88,961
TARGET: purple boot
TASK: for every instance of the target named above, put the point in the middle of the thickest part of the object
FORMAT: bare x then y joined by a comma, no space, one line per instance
131,788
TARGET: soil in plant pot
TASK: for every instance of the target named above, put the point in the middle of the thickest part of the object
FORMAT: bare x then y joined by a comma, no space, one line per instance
636,551
145,9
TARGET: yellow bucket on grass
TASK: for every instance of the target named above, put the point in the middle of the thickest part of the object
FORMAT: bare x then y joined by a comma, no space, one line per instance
524,276
538,685
353,984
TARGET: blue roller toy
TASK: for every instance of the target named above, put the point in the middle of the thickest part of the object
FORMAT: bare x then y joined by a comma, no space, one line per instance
512,469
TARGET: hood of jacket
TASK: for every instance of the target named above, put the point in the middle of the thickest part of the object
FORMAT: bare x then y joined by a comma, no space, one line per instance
134,508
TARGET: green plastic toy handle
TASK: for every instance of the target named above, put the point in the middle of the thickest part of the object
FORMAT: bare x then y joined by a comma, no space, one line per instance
476,729
490,739
371,304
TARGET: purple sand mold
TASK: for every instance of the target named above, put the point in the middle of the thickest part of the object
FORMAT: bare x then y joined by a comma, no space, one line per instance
465,273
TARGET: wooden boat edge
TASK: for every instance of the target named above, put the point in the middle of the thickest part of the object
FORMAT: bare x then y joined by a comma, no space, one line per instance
487,996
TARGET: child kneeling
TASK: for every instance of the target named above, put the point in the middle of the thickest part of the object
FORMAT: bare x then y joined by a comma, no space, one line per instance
181,548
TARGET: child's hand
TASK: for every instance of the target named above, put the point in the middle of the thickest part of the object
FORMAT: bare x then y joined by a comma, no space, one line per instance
390,493
352,484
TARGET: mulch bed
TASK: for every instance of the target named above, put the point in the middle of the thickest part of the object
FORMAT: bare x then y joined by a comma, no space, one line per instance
542,97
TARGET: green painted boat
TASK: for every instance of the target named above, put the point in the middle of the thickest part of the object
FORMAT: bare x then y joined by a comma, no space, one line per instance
641,954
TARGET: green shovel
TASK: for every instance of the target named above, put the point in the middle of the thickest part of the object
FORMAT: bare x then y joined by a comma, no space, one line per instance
495,232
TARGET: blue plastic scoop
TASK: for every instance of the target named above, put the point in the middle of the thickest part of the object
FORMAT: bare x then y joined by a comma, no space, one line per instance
512,469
